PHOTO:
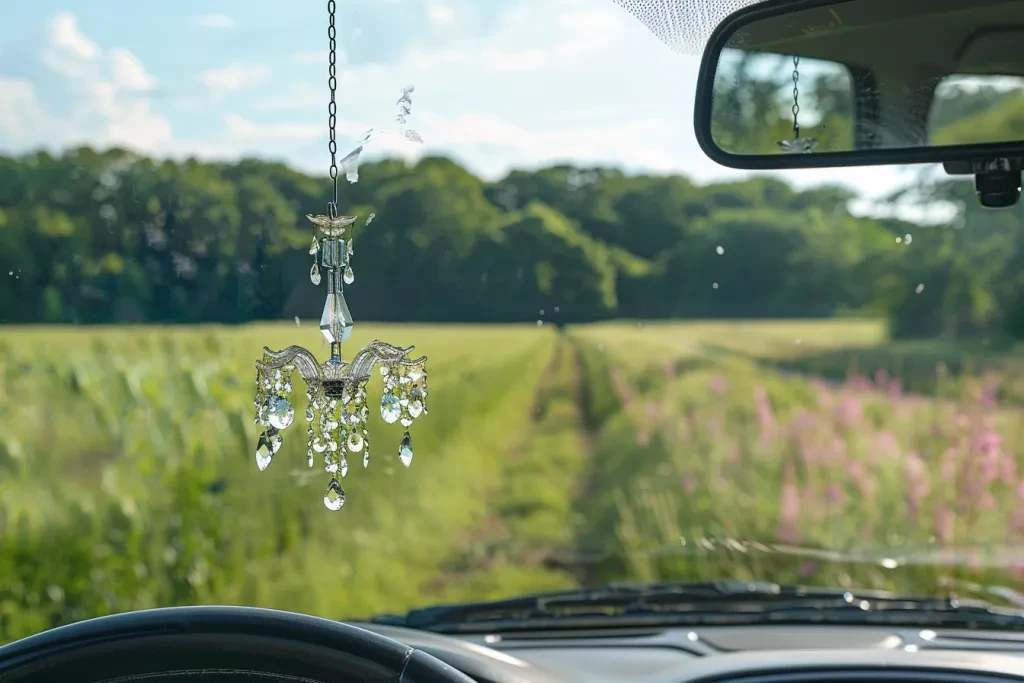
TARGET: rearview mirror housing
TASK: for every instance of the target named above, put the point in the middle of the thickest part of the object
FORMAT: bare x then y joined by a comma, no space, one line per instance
832,83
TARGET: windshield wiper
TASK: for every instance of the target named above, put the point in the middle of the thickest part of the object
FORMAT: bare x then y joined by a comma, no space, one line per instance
704,603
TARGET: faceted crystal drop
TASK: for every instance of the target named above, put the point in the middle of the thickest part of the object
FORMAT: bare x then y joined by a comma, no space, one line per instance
344,467
336,320
366,458
309,415
275,440
314,247
309,456
335,496
330,465
416,373
355,442
264,452
390,410
415,408
349,276
281,412
406,421
319,446
314,274
405,450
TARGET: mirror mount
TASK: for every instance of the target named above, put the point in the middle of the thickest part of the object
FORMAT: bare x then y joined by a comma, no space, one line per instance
997,181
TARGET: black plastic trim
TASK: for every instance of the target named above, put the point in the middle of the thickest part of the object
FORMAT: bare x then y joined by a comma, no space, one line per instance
138,644
869,157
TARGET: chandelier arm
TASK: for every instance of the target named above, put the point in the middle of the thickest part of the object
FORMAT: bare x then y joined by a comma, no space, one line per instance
302,359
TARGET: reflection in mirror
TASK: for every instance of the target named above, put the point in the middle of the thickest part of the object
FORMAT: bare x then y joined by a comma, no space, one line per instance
870,74
767,102
977,109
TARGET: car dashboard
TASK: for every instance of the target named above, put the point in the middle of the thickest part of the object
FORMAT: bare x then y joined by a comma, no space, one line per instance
751,654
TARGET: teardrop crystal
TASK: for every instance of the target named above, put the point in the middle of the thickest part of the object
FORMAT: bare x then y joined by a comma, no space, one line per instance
319,446
349,276
314,274
344,467
309,415
335,496
415,408
280,412
314,247
366,458
275,440
390,409
309,456
264,452
405,450
355,441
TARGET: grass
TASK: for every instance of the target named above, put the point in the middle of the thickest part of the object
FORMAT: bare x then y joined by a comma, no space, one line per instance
547,460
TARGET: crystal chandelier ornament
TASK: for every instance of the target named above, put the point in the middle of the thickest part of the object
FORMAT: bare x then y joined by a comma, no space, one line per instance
337,408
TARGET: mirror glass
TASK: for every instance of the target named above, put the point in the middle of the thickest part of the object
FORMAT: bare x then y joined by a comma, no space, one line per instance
871,74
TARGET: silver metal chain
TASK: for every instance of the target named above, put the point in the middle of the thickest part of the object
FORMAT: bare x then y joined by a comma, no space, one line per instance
796,97
332,109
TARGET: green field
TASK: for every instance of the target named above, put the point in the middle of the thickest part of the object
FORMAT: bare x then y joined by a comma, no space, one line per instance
549,458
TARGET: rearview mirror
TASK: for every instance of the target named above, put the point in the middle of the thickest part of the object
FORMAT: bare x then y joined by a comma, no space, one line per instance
818,83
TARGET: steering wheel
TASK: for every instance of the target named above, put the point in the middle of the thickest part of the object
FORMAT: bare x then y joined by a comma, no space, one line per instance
217,644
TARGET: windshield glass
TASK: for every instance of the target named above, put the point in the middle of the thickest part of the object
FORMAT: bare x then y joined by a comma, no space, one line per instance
643,366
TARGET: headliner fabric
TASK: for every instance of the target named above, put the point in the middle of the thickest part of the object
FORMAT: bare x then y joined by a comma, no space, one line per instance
683,25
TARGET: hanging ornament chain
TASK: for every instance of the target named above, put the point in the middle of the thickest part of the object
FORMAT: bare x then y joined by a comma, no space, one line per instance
797,145
332,145
332,108
796,97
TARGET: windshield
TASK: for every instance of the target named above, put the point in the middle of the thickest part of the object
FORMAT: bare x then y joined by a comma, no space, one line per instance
644,366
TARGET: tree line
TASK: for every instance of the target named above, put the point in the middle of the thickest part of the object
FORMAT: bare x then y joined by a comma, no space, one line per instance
111,237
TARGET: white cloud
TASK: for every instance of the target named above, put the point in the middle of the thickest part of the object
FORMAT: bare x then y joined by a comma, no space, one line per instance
98,96
128,71
234,76
65,35
221,21
20,111
440,14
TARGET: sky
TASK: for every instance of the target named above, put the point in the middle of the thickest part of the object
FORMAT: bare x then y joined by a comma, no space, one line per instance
499,84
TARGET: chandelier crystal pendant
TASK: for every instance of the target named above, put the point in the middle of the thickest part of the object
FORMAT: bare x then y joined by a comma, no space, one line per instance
335,389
